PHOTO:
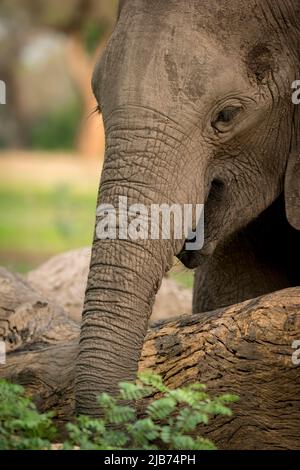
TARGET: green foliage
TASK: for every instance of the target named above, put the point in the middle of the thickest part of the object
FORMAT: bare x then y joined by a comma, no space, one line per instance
93,31
21,426
170,421
58,130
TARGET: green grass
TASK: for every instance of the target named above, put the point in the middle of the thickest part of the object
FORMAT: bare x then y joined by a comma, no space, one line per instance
183,277
36,223
45,221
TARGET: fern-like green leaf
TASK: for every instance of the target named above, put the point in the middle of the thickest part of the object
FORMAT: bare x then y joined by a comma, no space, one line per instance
161,408
121,414
132,391
171,421
153,380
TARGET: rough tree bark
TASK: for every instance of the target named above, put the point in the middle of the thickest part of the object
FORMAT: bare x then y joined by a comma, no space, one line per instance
245,349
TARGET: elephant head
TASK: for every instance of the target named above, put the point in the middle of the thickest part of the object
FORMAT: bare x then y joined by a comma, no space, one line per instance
196,101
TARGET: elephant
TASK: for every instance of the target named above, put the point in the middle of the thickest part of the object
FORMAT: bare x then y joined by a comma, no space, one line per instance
196,98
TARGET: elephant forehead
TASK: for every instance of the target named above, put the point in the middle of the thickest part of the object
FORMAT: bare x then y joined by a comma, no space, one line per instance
218,17
168,65
235,24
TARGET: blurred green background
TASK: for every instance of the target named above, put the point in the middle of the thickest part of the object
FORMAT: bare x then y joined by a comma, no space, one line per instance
42,212
51,141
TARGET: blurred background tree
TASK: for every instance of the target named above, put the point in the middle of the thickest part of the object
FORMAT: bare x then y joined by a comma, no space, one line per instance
48,50
47,194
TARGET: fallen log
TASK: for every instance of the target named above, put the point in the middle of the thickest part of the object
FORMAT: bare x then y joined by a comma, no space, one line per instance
63,278
244,349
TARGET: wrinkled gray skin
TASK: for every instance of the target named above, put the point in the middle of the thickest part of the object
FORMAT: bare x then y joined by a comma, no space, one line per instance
196,100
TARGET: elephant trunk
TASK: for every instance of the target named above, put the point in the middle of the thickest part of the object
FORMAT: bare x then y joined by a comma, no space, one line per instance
125,273
119,298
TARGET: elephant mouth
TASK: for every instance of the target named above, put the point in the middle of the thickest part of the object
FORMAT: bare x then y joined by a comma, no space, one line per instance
192,259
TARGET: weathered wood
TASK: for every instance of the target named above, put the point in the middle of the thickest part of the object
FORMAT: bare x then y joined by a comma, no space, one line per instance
245,349
63,278
28,319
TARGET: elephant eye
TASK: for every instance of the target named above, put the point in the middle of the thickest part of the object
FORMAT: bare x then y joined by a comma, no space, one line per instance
225,117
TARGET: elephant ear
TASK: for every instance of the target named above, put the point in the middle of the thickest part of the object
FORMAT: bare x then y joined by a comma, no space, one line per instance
292,190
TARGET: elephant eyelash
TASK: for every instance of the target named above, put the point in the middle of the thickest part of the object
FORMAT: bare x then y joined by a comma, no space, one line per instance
96,110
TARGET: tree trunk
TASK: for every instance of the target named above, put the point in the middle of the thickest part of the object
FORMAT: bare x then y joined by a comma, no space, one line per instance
91,141
244,349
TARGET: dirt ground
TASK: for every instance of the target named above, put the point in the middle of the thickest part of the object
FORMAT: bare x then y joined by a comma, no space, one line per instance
47,169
